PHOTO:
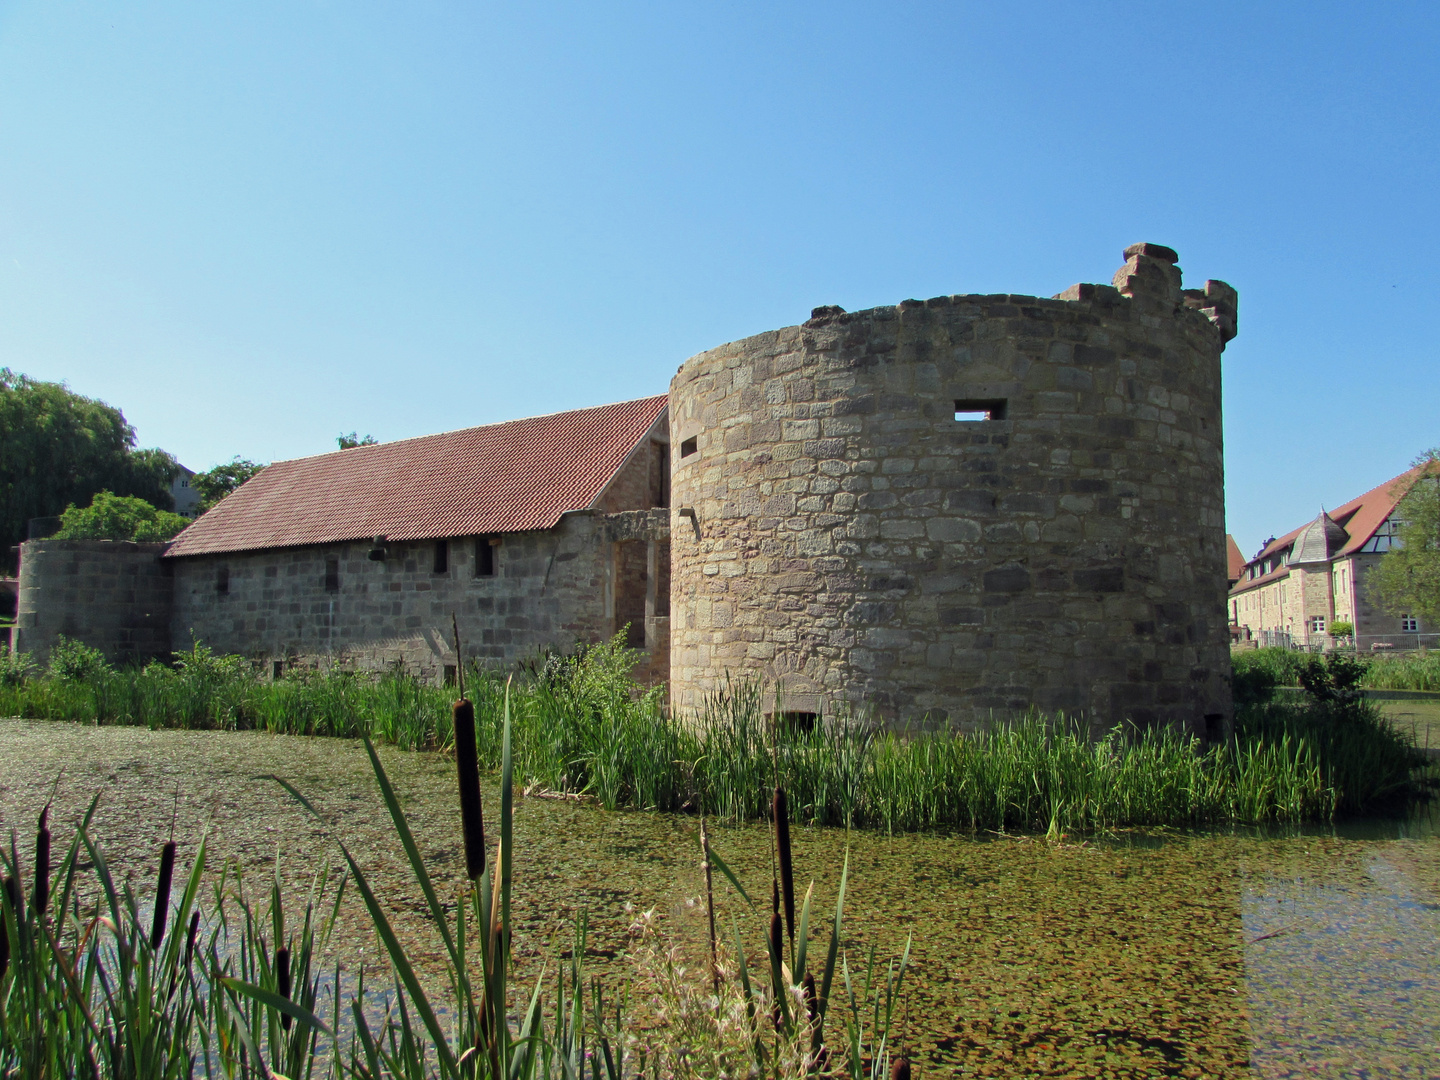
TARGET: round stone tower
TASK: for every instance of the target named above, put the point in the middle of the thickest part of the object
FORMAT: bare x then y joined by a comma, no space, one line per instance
961,508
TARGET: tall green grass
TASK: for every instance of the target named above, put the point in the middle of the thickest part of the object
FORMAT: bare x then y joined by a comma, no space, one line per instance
582,726
1282,667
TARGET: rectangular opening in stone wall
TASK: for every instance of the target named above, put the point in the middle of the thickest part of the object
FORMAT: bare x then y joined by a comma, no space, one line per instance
222,580
689,446
659,473
484,557
277,669
442,557
800,723
449,674
332,575
631,579
970,409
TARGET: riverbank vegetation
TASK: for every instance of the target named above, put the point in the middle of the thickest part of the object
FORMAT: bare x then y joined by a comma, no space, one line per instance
1275,666
583,727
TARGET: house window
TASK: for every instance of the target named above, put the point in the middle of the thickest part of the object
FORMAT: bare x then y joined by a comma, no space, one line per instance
1409,624
332,575
1317,624
484,557
222,580
442,557
689,446
1387,536
969,409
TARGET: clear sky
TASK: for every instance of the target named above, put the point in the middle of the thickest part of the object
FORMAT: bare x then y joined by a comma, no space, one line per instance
254,225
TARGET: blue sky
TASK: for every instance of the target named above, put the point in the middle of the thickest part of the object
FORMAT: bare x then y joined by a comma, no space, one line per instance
252,226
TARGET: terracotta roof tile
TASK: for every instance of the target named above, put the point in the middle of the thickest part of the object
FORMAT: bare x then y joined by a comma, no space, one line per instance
510,477
1234,560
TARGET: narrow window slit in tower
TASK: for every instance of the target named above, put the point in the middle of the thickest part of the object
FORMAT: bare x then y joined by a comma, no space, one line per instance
969,409
689,446
332,575
222,580
442,556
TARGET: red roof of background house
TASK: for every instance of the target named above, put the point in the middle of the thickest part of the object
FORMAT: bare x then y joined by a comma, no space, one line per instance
510,477
1234,559
1359,517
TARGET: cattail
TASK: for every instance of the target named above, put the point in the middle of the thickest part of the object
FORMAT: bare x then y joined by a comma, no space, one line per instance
162,893
467,768
900,1070
812,998
282,981
191,934
777,943
774,897
782,847
42,864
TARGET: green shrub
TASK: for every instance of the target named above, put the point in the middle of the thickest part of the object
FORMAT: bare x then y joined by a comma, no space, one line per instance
15,668
74,661
1334,678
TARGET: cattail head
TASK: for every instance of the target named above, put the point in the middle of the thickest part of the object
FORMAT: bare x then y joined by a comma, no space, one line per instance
467,769
282,981
162,893
900,1069
812,998
774,896
782,852
191,934
42,864
777,939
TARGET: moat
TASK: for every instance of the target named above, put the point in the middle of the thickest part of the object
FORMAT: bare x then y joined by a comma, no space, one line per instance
1303,953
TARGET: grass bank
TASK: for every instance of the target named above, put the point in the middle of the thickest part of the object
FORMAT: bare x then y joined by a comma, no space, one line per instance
581,726
1283,667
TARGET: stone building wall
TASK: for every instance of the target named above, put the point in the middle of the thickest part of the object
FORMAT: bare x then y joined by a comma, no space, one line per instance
114,596
333,604
838,531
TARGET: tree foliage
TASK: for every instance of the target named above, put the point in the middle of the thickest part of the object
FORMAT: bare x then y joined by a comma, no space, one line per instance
214,484
119,517
349,440
58,448
1407,581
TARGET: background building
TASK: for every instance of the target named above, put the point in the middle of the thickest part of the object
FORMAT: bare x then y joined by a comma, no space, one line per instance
1299,585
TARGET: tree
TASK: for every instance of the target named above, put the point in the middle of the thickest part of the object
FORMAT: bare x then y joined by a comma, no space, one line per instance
214,484
58,448
349,441
119,517
1407,581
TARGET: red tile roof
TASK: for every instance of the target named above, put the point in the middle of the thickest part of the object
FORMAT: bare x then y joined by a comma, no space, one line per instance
510,477
1359,517
1234,560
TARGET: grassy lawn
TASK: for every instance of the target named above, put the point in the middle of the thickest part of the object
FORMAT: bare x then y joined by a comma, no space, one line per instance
1419,715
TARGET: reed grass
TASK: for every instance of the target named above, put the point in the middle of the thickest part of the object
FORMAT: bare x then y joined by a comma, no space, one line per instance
1281,667
581,725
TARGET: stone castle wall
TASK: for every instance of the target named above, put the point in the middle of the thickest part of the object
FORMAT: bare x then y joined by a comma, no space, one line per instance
838,532
334,605
113,596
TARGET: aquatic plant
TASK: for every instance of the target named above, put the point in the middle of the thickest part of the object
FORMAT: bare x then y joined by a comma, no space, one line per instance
86,991
582,727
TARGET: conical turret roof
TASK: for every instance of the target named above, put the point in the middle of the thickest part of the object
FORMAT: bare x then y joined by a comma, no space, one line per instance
1319,541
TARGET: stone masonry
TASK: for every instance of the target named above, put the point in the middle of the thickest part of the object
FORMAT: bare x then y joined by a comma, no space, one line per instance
115,597
962,507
